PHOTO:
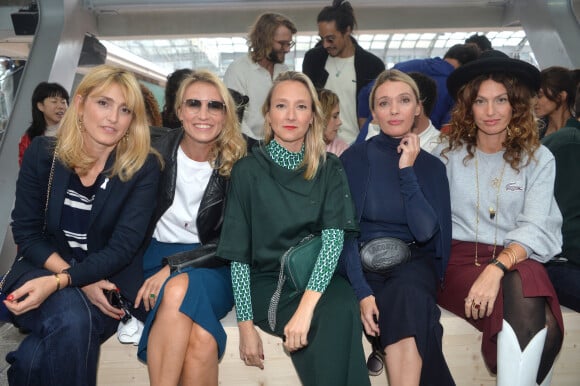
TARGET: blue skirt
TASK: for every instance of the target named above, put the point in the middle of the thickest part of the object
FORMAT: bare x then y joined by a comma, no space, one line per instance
208,299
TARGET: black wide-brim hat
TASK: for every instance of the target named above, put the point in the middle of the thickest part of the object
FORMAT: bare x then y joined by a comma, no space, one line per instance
494,62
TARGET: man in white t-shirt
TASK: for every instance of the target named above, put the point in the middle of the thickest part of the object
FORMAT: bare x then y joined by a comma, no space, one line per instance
339,64
269,40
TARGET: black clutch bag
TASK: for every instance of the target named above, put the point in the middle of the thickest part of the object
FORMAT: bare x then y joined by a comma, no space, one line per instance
381,254
202,257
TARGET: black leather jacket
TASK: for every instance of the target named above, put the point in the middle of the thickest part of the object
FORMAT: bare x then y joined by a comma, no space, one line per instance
211,209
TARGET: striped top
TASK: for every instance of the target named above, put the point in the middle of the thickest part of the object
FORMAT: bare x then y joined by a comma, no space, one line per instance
76,211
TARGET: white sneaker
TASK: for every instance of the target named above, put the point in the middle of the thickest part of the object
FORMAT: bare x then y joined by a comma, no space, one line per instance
130,332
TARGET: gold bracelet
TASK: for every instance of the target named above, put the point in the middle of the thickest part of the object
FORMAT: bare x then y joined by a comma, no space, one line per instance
65,271
512,256
57,282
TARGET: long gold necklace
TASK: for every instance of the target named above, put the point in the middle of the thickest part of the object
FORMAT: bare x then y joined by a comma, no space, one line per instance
493,212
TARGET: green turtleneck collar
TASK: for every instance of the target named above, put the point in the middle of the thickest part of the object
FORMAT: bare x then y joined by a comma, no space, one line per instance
284,157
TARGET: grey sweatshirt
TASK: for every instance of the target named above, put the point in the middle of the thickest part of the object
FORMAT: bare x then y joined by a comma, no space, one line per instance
524,211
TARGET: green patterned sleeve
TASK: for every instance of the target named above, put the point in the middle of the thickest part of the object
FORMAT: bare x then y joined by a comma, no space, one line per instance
332,240
241,287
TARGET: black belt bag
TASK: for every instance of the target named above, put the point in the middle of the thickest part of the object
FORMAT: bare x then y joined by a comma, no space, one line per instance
382,254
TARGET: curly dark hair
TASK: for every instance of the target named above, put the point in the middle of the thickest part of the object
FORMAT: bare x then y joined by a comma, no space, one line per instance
168,116
151,106
522,139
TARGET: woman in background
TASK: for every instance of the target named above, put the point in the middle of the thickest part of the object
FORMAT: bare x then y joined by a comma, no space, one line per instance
169,115
331,111
151,107
49,103
555,102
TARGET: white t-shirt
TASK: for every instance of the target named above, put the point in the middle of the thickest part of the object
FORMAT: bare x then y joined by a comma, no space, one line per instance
428,139
253,80
342,80
177,225
51,130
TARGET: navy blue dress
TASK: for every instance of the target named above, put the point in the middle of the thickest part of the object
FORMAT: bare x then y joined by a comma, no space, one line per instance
411,204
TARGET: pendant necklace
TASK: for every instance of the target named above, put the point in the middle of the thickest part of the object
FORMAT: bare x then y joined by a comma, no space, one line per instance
496,183
339,71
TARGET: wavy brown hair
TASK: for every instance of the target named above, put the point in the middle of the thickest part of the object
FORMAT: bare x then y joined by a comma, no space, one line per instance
230,145
261,36
314,146
522,139
151,106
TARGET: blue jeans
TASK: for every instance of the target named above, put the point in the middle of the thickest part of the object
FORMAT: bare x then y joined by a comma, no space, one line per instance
63,345
565,278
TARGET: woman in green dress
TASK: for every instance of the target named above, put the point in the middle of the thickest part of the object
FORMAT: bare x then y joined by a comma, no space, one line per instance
286,189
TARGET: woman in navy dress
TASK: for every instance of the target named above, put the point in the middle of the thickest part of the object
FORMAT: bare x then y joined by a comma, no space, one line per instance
400,191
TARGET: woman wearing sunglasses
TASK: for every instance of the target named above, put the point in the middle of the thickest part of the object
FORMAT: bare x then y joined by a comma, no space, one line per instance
183,337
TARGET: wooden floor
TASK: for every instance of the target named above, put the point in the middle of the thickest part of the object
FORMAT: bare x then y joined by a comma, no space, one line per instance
461,346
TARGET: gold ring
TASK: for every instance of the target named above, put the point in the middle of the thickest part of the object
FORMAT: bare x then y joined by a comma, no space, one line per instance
475,305
152,296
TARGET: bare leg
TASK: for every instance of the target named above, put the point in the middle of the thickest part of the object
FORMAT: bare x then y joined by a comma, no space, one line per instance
403,363
201,359
169,336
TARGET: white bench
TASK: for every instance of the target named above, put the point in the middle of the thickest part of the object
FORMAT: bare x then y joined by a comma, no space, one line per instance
461,346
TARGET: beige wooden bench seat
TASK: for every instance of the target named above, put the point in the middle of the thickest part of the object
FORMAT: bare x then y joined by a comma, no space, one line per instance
461,346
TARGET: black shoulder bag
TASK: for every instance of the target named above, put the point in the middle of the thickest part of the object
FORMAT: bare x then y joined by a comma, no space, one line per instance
50,177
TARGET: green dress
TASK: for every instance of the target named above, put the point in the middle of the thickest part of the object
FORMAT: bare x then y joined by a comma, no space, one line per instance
271,208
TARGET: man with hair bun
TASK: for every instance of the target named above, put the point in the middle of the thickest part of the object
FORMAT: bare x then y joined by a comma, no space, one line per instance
339,64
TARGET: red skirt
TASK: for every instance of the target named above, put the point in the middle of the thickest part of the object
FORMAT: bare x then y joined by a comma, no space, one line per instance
461,274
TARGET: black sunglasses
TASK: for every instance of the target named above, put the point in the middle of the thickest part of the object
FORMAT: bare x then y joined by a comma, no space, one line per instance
214,107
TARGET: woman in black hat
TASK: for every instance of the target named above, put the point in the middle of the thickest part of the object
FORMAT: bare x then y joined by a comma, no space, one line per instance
504,217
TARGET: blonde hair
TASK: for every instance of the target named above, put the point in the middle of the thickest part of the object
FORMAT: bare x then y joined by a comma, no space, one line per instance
315,148
328,101
393,76
230,145
131,151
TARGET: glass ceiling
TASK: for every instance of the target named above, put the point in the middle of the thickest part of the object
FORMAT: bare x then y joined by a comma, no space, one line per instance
216,53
